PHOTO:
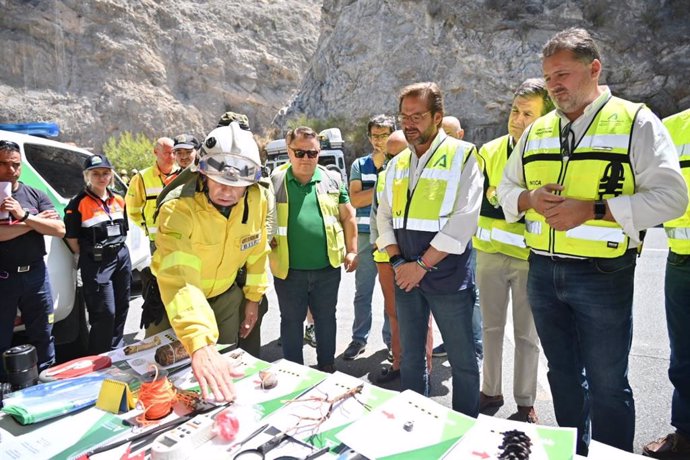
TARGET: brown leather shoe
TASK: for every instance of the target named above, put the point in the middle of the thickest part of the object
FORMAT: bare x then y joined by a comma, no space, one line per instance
527,414
486,401
673,446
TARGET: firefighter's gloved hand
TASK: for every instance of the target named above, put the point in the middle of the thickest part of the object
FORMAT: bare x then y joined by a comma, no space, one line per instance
152,308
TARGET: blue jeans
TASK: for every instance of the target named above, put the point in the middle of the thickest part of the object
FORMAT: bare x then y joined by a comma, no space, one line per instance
365,280
476,313
30,291
677,293
583,313
453,314
317,289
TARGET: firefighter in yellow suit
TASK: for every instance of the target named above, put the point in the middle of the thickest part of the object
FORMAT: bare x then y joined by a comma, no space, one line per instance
207,230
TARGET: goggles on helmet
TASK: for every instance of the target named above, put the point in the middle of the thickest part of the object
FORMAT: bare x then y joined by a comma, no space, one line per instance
230,169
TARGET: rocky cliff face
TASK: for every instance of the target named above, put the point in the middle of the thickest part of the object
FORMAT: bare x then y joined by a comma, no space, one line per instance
479,51
100,67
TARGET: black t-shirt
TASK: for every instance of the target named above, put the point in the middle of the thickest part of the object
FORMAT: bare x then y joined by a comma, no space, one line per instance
29,247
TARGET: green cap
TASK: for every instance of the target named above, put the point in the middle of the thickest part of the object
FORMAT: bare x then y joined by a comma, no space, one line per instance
229,117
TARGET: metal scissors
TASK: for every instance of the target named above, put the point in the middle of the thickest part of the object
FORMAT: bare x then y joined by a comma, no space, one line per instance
261,451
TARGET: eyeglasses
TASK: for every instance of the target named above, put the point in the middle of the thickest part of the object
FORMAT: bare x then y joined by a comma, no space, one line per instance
379,137
230,169
9,145
414,118
309,153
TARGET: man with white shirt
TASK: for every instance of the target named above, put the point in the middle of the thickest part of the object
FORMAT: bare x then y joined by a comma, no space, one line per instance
588,179
426,218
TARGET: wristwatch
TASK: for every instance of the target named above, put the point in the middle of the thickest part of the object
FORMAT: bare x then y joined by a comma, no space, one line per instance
599,209
25,216
396,260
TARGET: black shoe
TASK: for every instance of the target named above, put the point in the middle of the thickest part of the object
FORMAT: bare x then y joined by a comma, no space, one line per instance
388,374
353,350
328,368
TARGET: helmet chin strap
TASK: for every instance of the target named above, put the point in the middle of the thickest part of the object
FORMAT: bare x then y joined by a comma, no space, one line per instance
225,210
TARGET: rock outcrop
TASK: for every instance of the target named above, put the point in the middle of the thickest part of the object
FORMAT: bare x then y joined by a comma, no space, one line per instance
100,67
479,51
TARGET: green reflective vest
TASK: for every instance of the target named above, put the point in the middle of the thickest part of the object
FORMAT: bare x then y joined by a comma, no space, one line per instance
678,230
598,168
327,194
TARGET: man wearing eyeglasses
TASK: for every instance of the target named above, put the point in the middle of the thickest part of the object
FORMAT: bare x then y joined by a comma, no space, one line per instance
24,283
208,229
317,233
426,218
362,180
588,178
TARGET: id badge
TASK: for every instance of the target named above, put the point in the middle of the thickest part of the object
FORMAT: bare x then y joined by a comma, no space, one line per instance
113,230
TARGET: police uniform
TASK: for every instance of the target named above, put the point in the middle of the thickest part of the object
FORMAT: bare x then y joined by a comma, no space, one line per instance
101,226
24,283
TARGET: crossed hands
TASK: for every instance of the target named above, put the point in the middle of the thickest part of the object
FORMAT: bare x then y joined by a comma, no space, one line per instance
561,213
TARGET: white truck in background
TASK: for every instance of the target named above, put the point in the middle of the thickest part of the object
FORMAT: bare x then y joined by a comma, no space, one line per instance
331,156
56,169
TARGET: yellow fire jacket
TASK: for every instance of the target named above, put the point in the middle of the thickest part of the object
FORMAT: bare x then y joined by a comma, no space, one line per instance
198,255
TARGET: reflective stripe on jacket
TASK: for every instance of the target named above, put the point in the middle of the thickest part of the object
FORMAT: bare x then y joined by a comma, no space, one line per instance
598,168
198,255
494,234
142,193
678,230
327,194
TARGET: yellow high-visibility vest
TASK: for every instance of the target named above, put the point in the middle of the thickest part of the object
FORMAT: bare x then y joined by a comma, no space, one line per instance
598,168
678,230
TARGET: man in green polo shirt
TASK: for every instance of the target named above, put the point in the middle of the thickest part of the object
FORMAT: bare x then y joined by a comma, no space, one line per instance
317,223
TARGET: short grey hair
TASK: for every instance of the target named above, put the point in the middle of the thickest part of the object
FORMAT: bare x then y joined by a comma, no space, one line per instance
576,40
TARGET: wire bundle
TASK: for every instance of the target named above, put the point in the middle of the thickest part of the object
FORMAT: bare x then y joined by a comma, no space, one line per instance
157,397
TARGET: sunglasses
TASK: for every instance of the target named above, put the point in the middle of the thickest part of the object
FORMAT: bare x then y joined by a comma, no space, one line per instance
9,145
309,153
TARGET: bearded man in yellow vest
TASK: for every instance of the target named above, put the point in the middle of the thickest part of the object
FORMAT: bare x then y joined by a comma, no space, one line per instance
317,233
426,218
502,265
677,297
588,179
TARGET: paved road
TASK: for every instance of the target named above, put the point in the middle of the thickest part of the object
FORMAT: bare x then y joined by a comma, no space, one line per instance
648,360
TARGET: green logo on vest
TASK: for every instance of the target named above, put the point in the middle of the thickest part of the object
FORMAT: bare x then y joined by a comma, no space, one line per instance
441,162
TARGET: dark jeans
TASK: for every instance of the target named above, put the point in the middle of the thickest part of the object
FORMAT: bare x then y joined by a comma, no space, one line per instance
677,293
453,314
30,291
583,313
106,293
317,289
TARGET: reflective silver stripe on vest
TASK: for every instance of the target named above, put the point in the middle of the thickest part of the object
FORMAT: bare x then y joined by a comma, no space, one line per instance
369,177
533,226
364,220
330,220
282,231
683,150
589,232
678,233
154,190
152,229
605,141
424,225
483,234
548,143
509,238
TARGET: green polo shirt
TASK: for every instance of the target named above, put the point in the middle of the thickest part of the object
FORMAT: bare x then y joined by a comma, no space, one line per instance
305,231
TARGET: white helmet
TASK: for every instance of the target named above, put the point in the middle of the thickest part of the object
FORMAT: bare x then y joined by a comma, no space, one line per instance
230,156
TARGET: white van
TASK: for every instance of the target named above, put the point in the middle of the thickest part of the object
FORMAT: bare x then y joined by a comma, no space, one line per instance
56,169
331,155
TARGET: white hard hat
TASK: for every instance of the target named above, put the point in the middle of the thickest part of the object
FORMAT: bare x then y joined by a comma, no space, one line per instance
230,156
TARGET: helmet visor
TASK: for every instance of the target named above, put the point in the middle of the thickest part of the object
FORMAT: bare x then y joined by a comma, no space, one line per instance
229,169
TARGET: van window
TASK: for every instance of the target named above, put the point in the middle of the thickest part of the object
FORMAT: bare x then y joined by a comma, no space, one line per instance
325,161
61,169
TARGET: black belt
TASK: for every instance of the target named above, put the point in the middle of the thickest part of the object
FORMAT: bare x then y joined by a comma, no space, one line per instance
19,268
572,260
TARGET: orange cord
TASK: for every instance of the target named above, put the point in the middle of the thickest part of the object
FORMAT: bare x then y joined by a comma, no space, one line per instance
157,397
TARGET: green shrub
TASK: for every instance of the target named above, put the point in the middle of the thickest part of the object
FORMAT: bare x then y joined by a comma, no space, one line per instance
129,151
